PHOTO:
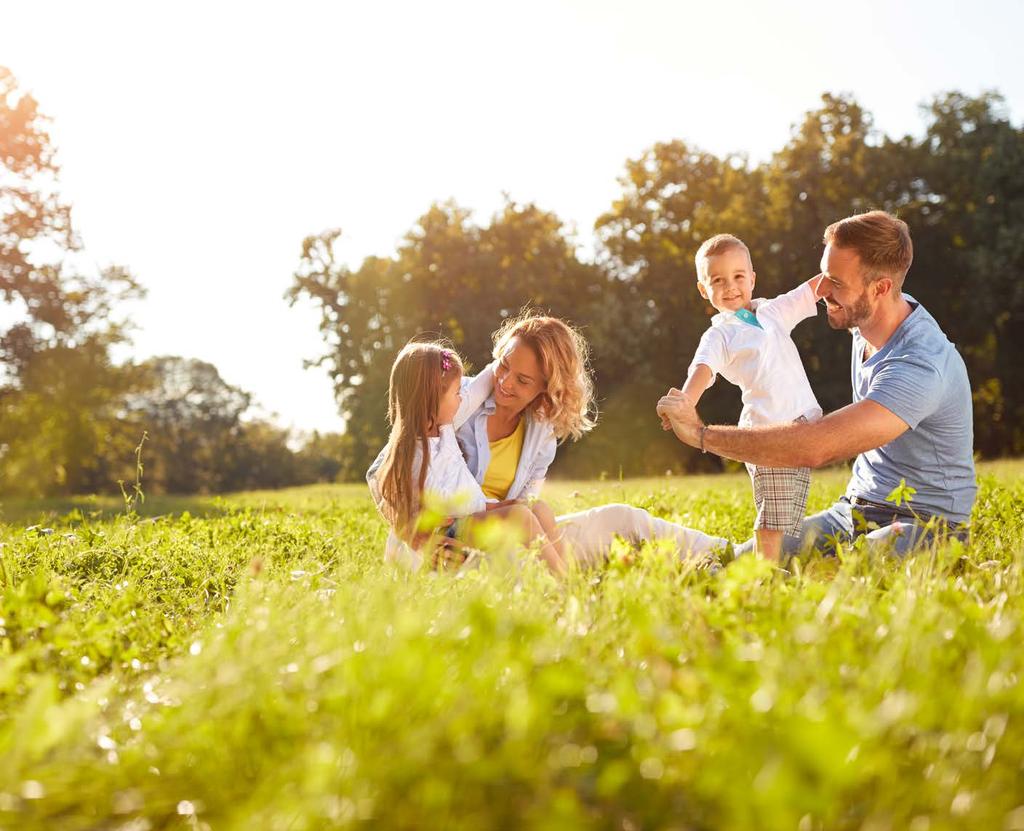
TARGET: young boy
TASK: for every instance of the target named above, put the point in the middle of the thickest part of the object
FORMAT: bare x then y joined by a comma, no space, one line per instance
749,344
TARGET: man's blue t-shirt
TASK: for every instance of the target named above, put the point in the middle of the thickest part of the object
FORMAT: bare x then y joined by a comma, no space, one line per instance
920,377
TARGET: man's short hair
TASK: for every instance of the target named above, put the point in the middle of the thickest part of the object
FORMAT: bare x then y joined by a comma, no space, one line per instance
718,244
880,240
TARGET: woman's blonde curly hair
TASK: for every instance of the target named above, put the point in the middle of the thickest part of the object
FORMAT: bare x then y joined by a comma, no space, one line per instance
567,402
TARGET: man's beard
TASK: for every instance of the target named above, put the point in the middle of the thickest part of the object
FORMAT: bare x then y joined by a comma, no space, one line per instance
850,316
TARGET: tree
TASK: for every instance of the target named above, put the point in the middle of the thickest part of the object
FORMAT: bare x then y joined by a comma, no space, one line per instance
58,388
327,457
257,455
834,165
57,304
674,197
63,429
969,251
449,278
193,419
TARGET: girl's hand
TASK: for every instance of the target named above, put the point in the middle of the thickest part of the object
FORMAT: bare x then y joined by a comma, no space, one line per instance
449,555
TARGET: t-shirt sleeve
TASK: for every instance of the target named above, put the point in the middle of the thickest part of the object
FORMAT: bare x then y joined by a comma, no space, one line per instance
790,308
908,387
712,352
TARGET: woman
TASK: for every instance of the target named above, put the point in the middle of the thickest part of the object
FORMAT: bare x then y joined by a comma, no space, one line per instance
542,393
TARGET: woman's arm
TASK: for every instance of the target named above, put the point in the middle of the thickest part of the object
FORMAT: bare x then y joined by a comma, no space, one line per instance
539,466
503,503
475,391
449,479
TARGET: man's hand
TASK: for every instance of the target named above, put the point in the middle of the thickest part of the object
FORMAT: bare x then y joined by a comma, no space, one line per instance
678,413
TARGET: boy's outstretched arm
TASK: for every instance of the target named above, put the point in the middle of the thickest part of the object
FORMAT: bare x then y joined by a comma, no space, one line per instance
697,382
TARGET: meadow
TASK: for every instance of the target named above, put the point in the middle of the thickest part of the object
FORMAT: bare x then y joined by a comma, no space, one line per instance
249,662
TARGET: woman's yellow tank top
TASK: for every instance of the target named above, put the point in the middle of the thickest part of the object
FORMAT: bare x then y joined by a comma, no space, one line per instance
501,471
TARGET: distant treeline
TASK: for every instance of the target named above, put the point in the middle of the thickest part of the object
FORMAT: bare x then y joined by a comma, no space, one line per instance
960,186
70,418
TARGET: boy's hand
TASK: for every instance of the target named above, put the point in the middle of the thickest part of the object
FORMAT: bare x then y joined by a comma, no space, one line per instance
672,405
816,286
681,415
664,408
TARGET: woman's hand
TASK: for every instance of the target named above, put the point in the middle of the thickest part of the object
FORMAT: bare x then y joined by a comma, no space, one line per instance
504,503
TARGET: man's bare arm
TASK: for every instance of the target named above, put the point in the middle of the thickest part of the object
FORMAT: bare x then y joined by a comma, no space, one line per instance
839,435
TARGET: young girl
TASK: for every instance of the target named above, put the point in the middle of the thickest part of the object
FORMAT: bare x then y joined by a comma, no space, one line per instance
423,459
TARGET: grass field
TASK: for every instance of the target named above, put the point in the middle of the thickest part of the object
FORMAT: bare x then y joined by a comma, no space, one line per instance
250,663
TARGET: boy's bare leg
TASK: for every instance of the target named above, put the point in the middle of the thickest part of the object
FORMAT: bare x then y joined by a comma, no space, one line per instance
768,543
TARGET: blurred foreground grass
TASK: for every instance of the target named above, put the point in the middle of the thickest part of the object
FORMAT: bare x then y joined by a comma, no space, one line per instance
250,663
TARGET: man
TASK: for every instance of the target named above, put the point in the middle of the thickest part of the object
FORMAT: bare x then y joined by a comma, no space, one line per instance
910,419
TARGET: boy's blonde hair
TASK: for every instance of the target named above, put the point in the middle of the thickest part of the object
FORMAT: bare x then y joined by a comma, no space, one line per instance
718,244
420,376
567,402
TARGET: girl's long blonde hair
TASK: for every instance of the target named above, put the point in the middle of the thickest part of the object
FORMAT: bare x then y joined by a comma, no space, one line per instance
419,377
567,403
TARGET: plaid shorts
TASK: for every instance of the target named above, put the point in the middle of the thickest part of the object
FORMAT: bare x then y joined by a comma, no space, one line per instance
780,494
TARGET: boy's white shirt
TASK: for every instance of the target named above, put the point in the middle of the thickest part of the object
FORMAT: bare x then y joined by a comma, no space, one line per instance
448,479
763,362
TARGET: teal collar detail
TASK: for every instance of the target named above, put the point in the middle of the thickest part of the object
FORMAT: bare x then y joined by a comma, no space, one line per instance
748,317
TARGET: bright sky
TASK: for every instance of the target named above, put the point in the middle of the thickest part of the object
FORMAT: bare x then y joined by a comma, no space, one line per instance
200,142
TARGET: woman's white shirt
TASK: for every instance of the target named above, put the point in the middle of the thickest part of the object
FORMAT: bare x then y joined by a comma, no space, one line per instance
538,451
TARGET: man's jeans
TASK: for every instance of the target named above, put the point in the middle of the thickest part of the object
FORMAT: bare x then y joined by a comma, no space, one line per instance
893,528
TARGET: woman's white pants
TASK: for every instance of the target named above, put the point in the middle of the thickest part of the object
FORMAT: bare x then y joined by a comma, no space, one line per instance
589,534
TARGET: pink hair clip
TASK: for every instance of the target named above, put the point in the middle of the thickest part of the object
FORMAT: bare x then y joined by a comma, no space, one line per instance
446,360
